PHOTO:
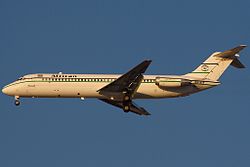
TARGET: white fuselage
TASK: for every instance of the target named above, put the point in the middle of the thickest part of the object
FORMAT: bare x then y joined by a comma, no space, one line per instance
87,86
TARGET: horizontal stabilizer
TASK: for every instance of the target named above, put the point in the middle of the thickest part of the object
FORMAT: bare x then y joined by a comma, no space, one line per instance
233,54
236,63
230,53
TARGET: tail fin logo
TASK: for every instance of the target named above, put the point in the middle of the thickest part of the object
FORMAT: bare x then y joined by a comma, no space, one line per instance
204,67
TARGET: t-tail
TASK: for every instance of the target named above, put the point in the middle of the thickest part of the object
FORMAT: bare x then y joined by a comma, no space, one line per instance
217,63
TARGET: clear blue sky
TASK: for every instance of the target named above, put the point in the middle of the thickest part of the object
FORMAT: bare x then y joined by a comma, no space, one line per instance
207,129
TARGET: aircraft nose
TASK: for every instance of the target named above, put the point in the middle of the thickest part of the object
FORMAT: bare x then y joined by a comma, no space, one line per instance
6,90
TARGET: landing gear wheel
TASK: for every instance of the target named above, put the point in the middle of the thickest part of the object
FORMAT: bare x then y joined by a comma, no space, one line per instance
126,98
17,102
126,108
126,102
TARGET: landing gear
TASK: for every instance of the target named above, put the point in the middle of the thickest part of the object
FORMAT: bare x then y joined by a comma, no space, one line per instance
17,102
126,98
126,101
126,95
126,108
126,105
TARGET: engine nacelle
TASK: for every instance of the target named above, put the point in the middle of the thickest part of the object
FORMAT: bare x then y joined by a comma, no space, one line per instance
171,82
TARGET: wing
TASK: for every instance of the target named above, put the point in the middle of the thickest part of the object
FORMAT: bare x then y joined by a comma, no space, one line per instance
126,84
133,107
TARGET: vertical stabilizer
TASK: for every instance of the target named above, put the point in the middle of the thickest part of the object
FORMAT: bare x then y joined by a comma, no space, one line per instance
217,63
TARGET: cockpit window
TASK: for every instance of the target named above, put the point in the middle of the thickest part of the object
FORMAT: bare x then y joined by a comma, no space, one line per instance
21,78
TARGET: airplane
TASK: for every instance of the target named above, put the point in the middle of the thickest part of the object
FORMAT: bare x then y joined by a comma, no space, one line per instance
121,90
